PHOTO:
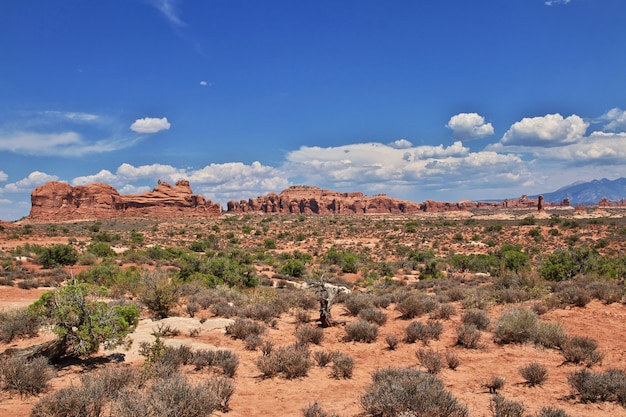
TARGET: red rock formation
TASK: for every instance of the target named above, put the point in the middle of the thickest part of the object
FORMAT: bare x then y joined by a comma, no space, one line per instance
59,201
313,200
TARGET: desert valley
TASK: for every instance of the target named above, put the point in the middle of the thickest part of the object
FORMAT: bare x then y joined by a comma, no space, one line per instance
310,303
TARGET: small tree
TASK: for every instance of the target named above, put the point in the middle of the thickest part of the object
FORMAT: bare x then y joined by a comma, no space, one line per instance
159,293
83,325
58,255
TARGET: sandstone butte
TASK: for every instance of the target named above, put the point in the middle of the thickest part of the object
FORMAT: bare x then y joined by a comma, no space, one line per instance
58,201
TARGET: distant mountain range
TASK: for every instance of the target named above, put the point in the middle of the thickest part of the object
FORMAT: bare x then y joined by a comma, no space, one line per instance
589,193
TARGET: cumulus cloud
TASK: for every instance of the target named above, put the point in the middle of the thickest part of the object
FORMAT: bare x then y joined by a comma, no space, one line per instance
27,184
614,120
599,148
545,131
3,176
400,144
103,176
150,125
469,126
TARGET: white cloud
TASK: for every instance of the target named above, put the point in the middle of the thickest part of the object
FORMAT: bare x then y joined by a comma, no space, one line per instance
103,176
554,2
27,184
469,126
169,10
400,144
614,119
545,131
150,125
598,148
3,176
128,172
203,83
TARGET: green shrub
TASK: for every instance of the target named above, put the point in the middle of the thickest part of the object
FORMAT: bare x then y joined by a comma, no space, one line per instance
395,391
516,326
101,249
159,293
58,255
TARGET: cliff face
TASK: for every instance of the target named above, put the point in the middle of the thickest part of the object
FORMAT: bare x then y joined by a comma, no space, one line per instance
58,201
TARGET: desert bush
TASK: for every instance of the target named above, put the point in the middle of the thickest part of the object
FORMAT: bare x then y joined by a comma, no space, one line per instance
443,312
58,254
343,366
361,331
17,324
552,412
596,387
309,333
224,359
501,407
83,324
534,373
423,332
323,358
290,361
430,360
302,316
253,341
242,328
516,326
549,335
581,350
223,388
175,396
414,306
392,341
572,294
394,391
158,293
479,318
373,315
69,401
27,377
315,410
606,291
494,383
452,359
357,301
468,336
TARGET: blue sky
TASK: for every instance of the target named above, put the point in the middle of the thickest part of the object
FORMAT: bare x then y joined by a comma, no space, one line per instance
444,100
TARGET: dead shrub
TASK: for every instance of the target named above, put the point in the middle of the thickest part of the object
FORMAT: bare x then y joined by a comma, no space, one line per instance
597,387
416,305
343,366
309,333
315,410
534,373
468,336
494,384
452,359
357,301
430,360
392,341
302,316
26,376
361,331
323,358
395,391
552,412
443,312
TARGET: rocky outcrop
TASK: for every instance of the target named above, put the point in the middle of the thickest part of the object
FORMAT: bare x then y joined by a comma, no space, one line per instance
59,201
313,200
